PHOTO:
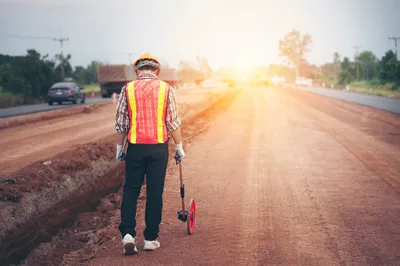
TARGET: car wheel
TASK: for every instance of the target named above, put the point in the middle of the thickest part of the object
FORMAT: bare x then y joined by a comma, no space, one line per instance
73,102
50,103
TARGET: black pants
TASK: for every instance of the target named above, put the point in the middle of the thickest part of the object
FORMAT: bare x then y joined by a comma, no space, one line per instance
150,160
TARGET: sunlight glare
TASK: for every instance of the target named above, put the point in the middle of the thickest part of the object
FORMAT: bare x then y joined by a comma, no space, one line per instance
243,63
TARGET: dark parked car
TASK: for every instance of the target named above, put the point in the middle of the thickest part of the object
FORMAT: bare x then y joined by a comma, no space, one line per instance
65,92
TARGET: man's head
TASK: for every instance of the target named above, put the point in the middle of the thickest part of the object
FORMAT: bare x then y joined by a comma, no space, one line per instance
147,63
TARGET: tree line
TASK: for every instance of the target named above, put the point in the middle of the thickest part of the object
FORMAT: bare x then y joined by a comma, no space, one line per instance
365,66
31,75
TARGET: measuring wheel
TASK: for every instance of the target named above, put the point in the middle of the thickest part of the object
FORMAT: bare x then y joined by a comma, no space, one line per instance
188,216
191,217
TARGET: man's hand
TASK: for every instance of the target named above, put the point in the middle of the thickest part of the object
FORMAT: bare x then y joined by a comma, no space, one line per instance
179,152
120,155
119,152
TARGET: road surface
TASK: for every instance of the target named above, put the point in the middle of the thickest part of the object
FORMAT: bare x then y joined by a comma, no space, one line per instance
282,178
379,102
36,108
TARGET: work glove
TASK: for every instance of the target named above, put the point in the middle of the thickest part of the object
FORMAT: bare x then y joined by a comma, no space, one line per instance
179,153
120,153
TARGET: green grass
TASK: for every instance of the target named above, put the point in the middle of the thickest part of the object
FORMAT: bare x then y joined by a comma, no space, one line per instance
88,88
5,93
376,89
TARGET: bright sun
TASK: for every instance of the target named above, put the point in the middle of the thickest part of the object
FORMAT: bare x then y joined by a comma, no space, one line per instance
243,63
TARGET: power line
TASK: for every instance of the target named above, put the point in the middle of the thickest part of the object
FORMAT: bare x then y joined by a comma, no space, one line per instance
61,40
28,37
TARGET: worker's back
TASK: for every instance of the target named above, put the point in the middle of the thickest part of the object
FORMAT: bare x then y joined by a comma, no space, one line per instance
147,100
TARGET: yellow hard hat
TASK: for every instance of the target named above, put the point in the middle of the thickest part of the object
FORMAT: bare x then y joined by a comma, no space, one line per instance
145,60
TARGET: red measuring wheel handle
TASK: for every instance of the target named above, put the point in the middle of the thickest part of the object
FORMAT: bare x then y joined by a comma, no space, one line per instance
191,217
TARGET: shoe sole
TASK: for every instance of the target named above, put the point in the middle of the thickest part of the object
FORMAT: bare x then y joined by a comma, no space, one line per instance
130,249
150,249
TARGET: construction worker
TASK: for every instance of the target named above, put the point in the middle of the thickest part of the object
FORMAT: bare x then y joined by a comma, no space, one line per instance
147,114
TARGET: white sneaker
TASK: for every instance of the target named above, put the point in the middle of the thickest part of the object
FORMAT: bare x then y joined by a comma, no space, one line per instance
129,245
151,245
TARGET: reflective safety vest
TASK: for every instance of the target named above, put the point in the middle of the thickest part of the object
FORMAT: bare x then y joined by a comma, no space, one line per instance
147,102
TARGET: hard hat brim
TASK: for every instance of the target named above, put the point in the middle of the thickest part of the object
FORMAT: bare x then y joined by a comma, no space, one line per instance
147,62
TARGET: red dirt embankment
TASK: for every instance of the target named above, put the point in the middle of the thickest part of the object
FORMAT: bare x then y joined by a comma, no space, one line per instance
40,199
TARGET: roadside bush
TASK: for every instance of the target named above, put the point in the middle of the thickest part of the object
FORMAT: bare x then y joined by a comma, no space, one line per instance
30,76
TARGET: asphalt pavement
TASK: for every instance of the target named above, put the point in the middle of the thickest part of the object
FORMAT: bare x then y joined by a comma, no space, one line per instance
36,108
379,102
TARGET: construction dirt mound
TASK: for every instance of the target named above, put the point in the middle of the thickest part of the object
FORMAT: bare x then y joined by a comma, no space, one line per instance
57,205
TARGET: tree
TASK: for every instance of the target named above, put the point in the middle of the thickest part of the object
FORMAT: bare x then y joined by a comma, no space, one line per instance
293,47
327,71
91,72
389,68
204,66
79,74
336,65
369,64
308,70
64,67
347,73
30,75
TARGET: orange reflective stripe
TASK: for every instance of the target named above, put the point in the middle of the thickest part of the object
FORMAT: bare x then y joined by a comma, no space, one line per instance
160,113
132,108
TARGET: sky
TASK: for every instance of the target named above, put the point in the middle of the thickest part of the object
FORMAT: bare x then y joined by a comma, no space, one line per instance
226,32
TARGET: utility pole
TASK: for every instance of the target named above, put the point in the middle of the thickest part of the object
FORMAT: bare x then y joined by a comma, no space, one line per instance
61,40
395,39
130,57
356,47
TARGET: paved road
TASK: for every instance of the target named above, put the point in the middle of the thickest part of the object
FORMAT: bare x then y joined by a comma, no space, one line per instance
384,103
282,178
36,108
